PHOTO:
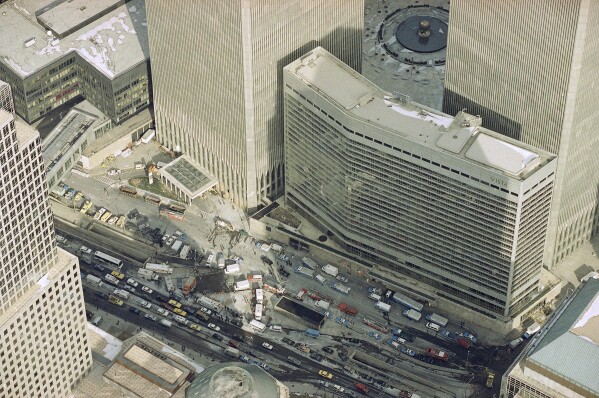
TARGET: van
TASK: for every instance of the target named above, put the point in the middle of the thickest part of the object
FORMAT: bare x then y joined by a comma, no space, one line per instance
257,278
320,279
97,320
433,326
275,328
375,297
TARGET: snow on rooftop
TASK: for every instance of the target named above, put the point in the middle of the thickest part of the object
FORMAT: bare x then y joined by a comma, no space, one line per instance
113,345
45,281
440,120
196,366
500,154
591,312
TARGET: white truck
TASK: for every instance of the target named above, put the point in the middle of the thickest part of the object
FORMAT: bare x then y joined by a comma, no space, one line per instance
94,279
170,287
122,293
340,287
147,274
166,323
159,268
322,304
177,245
209,303
331,270
438,319
242,285
184,252
305,271
320,279
180,319
382,306
221,261
412,314
111,279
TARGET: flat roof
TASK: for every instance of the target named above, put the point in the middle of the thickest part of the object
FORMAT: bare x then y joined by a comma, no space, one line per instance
113,43
70,14
189,176
461,136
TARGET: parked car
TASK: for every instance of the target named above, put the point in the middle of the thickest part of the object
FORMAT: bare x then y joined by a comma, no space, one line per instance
130,288
213,326
327,350
195,326
267,346
408,351
147,289
132,282
162,311
342,278
135,310
218,337
151,317
374,335
206,310
145,304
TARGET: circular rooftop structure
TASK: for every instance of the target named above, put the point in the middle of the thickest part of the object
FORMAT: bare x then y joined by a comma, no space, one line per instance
422,33
233,380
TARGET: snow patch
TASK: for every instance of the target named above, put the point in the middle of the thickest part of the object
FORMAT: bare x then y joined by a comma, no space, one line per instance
144,24
16,66
45,281
197,367
113,345
22,9
591,312
133,9
111,44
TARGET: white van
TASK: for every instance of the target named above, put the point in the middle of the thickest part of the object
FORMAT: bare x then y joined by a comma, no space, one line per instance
375,297
97,320
320,279
433,326
257,278
275,328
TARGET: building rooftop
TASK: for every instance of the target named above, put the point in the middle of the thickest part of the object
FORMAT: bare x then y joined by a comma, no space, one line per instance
113,43
570,347
190,177
300,310
461,136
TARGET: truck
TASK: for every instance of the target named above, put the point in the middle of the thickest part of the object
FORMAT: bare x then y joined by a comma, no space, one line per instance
437,354
122,293
531,330
210,304
147,274
184,252
322,304
111,279
304,271
407,302
276,247
232,269
347,309
190,285
94,279
312,333
412,314
242,285
220,261
115,300
166,323
159,268
170,287
232,352
382,306
438,319
177,245
309,263
340,288
330,269
320,279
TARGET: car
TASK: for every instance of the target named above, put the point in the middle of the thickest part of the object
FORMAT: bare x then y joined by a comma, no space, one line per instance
338,388
78,196
213,327
130,288
316,356
105,216
101,295
180,311
325,374
195,326
265,366
132,282
205,310
113,172
144,225
174,303
135,310
515,343
400,340
284,273
85,250
322,382
394,344
147,289
162,311
469,336
117,275
327,350
145,304
244,358
267,346
100,267
374,335
342,278
151,317
170,241
99,213
287,341
218,336
408,351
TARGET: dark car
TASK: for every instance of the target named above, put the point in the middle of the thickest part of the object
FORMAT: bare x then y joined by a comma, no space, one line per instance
317,357
89,315
135,310
218,337
283,273
266,260
287,341
406,336
99,268
101,295
328,350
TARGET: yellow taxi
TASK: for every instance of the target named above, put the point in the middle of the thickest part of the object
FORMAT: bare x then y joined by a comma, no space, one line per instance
195,326
174,303
179,311
117,274
325,374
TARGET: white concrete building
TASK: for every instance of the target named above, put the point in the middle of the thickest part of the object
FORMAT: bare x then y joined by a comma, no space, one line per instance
440,199
217,80
43,350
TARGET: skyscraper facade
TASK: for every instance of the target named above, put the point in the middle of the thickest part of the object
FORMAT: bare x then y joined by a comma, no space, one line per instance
530,70
440,199
217,80
44,349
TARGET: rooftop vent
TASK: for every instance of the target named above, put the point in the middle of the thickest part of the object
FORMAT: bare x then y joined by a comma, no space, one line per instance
30,42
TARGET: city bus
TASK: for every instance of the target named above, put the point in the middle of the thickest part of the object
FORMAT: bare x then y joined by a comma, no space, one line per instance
98,255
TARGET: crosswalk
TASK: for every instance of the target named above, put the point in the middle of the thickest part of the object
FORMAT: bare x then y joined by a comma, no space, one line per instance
105,180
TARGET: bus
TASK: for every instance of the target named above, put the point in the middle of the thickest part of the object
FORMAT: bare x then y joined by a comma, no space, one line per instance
98,255
259,326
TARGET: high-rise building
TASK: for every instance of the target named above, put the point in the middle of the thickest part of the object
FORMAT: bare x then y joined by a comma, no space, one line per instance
44,349
534,76
440,199
217,70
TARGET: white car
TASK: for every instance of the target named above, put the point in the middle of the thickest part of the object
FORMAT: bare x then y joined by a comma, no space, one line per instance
342,278
132,282
152,317
338,388
130,288
145,304
163,312
85,250
267,346
206,310
214,327
147,289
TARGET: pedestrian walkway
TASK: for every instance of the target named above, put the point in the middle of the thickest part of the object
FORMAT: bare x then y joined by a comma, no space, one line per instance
105,180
